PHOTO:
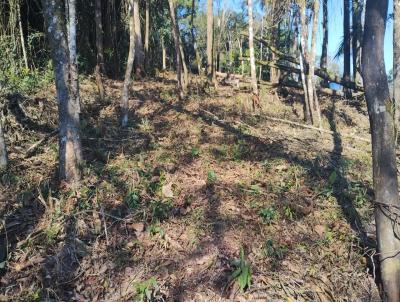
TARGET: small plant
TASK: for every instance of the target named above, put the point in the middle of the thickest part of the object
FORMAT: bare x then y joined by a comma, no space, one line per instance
359,194
289,214
195,152
132,200
146,290
160,210
271,251
242,273
211,177
268,215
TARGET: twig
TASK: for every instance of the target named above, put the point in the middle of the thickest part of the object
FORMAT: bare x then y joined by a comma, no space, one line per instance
36,145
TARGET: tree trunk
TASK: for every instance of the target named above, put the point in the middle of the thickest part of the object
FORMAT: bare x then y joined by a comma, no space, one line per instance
139,54
73,62
303,62
70,152
175,34
241,54
346,41
357,9
251,47
383,148
196,51
324,53
164,54
129,67
3,150
210,34
396,60
147,33
261,47
21,34
311,67
185,75
99,48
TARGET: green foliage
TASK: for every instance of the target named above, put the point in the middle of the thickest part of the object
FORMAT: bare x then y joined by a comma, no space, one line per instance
132,200
268,215
242,272
195,151
271,251
358,194
211,177
146,290
288,212
160,210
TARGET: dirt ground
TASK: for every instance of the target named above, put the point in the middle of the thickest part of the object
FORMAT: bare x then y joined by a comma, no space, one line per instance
167,205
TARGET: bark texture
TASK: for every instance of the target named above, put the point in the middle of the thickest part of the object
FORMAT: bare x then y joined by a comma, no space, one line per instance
100,49
251,48
210,38
129,67
139,53
70,152
380,109
3,150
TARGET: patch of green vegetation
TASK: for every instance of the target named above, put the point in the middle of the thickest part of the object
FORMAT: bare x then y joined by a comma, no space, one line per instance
268,215
195,151
211,177
240,151
146,290
52,232
132,200
272,251
288,212
242,273
160,210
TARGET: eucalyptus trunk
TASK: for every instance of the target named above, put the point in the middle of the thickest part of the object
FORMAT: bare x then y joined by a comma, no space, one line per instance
163,54
380,111
251,48
396,60
147,33
139,53
210,38
346,42
196,51
129,67
70,152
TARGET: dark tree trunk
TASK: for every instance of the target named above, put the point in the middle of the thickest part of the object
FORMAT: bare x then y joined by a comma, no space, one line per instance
396,59
147,34
380,109
324,53
179,65
3,150
210,38
139,53
129,68
99,48
70,152
346,40
196,51
357,11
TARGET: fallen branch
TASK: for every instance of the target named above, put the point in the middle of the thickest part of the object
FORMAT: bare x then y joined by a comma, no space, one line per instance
32,149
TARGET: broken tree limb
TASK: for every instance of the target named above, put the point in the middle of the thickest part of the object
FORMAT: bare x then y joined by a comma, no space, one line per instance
318,72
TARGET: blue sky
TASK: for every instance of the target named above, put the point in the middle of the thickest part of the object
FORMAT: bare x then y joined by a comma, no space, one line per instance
335,26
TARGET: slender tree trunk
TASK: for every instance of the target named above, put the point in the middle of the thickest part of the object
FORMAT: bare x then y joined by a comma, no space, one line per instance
99,48
147,34
164,54
357,10
396,61
175,34
70,152
311,67
3,150
261,47
139,54
324,53
73,62
303,64
210,34
129,67
21,34
185,74
196,51
240,42
251,47
383,148
347,38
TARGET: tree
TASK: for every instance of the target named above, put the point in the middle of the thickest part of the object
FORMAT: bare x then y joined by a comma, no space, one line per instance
179,64
346,40
357,28
139,53
129,66
252,57
3,150
147,32
210,39
70,152
99,48
325,39
383,147
396,59
192,31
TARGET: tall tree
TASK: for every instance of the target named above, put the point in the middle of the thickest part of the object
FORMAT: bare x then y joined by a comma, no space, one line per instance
396,59
70,152
179,64
346,40
139,53
99,48
129,66
357,27
147,33
73,61
210,39
3,150
324,53
194,41
380,109
252,56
